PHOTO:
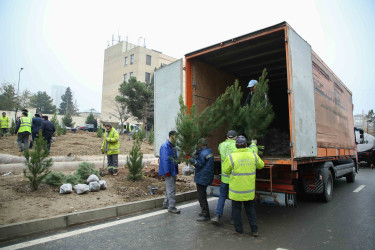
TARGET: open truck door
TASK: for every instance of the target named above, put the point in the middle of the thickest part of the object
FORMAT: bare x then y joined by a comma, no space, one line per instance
168,87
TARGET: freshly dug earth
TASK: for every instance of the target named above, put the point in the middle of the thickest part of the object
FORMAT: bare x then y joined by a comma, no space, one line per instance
76,144
18,203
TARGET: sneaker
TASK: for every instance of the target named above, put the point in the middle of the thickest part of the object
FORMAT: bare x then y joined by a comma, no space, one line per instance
164,207
216,219
174,210
255,234
203,218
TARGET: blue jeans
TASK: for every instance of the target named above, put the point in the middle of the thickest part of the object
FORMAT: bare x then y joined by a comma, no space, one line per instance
250,213
224,190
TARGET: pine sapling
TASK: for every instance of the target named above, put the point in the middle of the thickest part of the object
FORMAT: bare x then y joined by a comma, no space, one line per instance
134,162
37,163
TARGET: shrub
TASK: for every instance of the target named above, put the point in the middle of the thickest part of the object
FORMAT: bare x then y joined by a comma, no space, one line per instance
134,162
85,169
37,163
151,136
55,179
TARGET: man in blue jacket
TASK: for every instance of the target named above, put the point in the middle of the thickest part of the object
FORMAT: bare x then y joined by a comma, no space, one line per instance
204,174
36,124
169,168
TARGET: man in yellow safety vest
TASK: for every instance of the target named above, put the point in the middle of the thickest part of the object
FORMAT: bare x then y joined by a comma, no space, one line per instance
225,148
242,165
4,124
23,128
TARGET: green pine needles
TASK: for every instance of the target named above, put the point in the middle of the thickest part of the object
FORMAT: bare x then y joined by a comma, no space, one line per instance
261,113
37,163
134,162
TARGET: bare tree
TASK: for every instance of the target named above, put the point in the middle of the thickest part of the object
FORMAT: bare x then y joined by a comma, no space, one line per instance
119,111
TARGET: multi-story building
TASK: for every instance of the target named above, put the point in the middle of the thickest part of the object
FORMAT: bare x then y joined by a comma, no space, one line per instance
121,62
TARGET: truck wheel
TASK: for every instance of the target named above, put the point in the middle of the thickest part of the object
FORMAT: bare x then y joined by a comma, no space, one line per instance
327,187
350,178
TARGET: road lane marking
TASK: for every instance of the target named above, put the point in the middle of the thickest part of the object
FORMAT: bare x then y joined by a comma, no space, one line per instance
359,188
97,227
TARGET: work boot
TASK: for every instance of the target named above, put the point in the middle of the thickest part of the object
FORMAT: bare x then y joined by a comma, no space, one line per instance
255,234
216,219
174,210
203,218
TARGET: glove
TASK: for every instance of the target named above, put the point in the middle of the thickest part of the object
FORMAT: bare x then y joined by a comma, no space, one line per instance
168,174
192,160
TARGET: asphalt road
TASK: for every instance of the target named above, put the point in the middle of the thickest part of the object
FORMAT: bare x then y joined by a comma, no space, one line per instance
346,222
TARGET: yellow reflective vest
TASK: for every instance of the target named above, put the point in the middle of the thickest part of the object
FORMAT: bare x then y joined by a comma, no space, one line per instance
225,148
242,165
111,143
25,125
4,122
253,148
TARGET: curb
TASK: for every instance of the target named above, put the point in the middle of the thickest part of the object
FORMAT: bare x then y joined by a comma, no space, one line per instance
27,228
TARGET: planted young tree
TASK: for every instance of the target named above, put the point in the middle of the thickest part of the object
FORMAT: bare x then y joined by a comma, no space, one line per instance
134,162
67,120
99,132
37,163
12,128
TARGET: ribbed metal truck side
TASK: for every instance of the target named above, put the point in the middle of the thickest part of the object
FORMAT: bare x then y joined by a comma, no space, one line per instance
311,141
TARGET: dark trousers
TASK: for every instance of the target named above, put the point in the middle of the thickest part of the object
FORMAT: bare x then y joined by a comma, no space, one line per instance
23,138
250,213
202,198
112,163
48,140
33,136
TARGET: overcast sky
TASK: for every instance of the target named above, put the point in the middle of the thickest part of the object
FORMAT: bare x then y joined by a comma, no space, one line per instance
62,42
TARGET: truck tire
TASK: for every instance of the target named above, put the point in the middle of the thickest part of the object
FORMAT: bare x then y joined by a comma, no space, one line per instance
327,187
350,178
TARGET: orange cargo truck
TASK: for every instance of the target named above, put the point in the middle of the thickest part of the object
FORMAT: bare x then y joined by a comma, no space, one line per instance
311,141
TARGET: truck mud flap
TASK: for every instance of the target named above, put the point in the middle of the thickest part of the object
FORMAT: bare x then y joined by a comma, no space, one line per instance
313,186
278,199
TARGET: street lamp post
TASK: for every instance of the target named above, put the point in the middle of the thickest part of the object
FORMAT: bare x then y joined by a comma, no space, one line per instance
18,90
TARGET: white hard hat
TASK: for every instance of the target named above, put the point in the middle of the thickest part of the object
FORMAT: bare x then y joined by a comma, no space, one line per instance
252,83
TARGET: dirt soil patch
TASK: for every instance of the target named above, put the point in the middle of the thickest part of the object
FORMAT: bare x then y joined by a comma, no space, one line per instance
78,143
18,203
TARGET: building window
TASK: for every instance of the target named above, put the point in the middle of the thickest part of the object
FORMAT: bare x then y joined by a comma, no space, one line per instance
126,61
131,74
125,77
147,77
148,60
131,59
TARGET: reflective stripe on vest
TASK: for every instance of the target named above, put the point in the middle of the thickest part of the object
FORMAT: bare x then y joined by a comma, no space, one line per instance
242,174
256,159
231,160
242,192
225,175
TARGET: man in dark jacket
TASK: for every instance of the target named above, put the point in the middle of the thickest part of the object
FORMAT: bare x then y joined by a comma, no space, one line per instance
204,174
48,128
36,124
169,168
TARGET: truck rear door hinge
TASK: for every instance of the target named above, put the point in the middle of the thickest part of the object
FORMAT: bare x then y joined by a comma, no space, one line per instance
289,91
291,144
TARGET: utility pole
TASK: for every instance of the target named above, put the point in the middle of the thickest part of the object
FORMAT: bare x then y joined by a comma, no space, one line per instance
18,90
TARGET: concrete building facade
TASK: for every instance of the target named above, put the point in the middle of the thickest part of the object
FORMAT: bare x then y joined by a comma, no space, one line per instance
121,62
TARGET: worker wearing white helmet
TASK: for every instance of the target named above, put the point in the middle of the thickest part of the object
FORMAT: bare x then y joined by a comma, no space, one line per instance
251,85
